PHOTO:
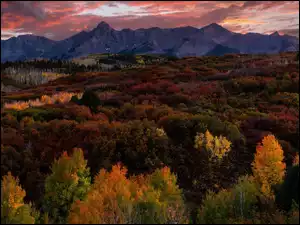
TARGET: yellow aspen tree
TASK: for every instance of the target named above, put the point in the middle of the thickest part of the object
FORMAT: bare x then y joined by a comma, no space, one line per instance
115,199
108,202
216,147
13,209
268,166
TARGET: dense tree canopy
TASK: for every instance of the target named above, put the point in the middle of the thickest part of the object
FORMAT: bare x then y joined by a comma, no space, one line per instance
171,141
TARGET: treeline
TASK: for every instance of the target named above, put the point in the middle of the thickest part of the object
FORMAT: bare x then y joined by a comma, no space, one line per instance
31,73
58,66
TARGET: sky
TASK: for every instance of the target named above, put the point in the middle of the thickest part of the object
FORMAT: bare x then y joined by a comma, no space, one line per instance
58,20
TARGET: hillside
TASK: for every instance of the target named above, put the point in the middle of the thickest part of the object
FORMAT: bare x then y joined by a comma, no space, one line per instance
180,42
156,139
220,50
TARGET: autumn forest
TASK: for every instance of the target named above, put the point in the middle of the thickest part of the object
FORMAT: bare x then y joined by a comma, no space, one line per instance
210,139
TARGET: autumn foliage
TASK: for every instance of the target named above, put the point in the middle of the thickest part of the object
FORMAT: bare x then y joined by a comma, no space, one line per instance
68,183
143,199
200,117
62,97
13,208
268,166
216,147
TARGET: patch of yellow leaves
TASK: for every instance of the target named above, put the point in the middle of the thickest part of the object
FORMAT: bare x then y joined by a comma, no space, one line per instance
61,97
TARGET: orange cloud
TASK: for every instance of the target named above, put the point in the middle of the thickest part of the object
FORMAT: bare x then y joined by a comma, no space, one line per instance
241,21
62,20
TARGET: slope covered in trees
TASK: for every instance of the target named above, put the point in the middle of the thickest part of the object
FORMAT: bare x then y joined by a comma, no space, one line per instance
195,140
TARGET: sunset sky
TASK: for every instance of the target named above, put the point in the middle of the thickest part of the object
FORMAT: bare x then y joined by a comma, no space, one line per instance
61,19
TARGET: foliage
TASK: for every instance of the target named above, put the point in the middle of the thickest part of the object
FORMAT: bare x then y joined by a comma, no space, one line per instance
116,199
149,117
216,147
109,200
170,197
61,97
13,208
90,99
68,182
289,189
237,203
268,167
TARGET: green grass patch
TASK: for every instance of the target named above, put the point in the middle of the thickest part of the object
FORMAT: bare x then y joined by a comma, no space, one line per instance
38,114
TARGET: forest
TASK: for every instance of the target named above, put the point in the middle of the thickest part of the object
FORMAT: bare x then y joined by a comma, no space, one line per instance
210,139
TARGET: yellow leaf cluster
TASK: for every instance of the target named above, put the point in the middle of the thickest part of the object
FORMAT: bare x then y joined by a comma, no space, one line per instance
13,209
11,191
268,166
61,97
160,132
217,147
53,76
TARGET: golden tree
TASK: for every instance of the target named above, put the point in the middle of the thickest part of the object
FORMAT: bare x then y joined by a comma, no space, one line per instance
143,199
109,201
216,147
268,166
13,209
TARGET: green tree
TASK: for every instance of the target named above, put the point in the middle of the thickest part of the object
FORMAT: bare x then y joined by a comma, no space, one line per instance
70,181
230,205
13,208
90,99
163,200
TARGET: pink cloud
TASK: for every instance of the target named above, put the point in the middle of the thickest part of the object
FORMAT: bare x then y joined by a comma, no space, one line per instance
61,19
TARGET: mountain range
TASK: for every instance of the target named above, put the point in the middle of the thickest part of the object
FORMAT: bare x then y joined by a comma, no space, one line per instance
182,41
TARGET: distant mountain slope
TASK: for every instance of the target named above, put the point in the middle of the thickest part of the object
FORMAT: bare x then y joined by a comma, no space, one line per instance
181,41
220,50
25,47
254,43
